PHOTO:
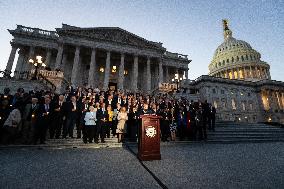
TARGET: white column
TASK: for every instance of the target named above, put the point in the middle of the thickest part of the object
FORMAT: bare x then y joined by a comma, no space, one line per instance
19,65
59,57
135,73
161,73
226,74
238,73
11,59
48,56
167,74
148,74
265,73
244,73
233,74
186,73
75,67
268,73
107,70
256,72
28,66
121,73
91,78
64,60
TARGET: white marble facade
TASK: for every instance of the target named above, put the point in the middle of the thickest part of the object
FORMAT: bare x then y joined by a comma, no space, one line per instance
97,57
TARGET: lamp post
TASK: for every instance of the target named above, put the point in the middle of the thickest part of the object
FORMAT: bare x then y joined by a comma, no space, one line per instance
37,62
177,80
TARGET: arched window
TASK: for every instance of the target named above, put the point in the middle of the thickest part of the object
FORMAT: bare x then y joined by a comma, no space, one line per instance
238,59
223,62
242,58
227,60
233,59
247,57
250,57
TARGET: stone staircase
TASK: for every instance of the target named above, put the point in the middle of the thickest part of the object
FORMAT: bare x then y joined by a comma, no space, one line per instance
228,132
78,143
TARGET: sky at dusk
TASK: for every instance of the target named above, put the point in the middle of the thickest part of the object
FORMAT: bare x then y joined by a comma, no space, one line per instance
192,27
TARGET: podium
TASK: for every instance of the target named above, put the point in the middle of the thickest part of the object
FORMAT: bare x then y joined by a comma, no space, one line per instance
149,138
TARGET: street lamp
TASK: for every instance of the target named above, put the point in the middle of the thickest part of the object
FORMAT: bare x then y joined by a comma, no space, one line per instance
37,63
177,80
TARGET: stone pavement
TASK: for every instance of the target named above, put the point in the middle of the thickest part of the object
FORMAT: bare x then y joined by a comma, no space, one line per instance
191,165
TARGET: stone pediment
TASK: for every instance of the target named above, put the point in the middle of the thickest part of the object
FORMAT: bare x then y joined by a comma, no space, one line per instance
114,34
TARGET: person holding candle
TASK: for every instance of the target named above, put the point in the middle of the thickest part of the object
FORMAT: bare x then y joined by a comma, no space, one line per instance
42,120
90,119
71,117
29,117
102,116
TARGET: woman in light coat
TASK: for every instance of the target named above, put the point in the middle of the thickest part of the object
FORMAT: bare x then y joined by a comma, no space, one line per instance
121,126
90,122
12,125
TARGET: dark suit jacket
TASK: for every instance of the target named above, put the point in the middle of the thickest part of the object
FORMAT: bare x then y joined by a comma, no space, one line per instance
101,115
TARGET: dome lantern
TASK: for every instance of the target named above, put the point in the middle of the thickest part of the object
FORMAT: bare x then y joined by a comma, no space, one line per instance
227,32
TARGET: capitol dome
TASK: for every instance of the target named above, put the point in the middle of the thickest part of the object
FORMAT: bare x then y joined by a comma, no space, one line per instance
236,59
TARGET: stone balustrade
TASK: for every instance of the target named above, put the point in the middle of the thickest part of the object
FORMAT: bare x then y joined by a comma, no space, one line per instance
37,31
175,55
46,73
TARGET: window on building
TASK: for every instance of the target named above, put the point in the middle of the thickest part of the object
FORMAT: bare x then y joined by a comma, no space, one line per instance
234,104
214,91
251,106
243,58
215,104
247,57
233,59
248,94
244,106
222,92
238,59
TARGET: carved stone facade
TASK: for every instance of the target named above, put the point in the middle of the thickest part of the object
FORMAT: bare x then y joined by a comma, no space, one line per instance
236,100
97,57
236,59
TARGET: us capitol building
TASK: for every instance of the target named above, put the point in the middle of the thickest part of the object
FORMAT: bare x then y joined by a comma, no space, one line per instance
239,84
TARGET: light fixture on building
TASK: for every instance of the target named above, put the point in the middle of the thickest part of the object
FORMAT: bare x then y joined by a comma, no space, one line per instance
113,70
102,69
246,117
242,94
269,119
125,72
37,62
240,119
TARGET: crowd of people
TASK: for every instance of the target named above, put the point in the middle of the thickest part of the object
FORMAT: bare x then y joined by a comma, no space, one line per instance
31,117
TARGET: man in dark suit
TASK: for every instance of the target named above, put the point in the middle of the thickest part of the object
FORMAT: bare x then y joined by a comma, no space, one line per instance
82,108
102,117
71,117
29,117
57,117
110,101
42,120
